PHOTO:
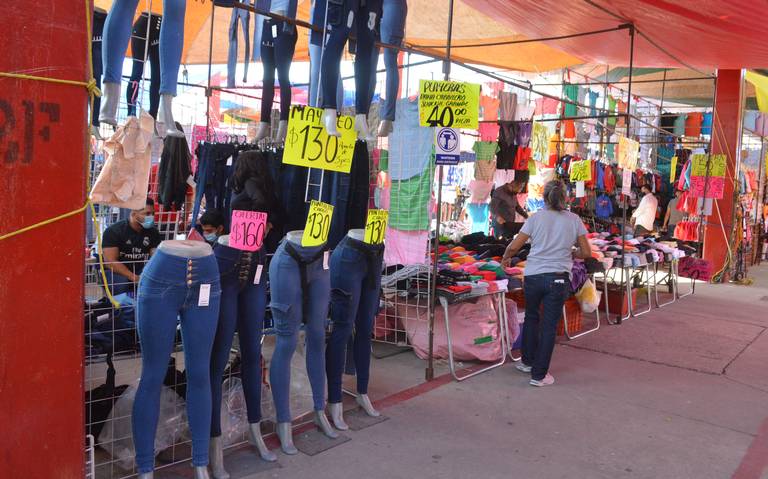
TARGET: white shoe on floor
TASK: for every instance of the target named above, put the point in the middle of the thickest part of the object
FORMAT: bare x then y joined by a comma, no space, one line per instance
522,367
547,381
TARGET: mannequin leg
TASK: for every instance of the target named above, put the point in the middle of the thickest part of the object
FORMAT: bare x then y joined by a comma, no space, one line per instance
154,80
245,23
117,31
285,45
319,297
139,35
171,44
366,313
334,47
268,79
198,329
232,52
96,62
156,315
366,20
222,344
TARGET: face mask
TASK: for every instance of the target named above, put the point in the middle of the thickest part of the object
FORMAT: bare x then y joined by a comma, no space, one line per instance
210,237
149,221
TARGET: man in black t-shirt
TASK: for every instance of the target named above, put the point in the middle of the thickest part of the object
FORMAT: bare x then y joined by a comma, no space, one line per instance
127,246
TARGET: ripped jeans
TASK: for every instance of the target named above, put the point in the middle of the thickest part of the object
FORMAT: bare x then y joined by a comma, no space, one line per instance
355,285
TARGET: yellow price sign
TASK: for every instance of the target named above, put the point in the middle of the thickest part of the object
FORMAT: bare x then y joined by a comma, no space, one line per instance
717,164
673,169
581,170
318,224
449,104
376,226
307,143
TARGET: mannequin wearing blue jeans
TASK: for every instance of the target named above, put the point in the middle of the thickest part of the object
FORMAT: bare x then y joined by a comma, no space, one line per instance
342,15
317,14
300,290
392,28
170,287
117,31
355,285
243,304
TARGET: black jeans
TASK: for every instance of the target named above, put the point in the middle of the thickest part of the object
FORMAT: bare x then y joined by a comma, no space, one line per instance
277,52
544,299
145,30
98,30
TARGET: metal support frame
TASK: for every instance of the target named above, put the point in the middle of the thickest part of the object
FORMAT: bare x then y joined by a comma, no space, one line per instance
597,314
693,282
501,316
671,279
644,270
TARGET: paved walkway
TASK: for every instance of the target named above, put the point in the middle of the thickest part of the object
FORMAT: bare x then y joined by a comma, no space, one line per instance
681,392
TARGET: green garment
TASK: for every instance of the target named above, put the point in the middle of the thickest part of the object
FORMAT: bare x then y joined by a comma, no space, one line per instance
571,93
409,201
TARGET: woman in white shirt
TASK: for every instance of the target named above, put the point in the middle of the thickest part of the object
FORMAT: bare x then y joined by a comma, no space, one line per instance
645,214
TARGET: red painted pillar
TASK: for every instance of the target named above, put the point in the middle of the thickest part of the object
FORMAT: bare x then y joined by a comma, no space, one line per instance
726,139
42,173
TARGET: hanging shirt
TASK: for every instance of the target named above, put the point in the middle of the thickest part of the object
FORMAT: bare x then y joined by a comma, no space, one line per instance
410,145
706,124
693,124
603,206
485,165
505,158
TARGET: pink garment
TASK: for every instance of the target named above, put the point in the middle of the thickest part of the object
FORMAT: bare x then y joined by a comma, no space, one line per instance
546,106
124,180
488,131
480,191
502,177
405,247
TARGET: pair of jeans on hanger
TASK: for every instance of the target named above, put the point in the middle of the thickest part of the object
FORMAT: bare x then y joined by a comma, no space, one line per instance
145,39
342,16
355,284
243,304
213,178
117,31
315,57
97,31
300,291
278,42
547,291
392,31
240,18
169,289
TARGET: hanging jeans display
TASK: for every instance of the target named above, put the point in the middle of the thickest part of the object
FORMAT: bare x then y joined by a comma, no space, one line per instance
145,39
348,193
295,265
239,18
214,171
243,304
392,33
342,16
278,42
355,283
98,30
117,30
170,288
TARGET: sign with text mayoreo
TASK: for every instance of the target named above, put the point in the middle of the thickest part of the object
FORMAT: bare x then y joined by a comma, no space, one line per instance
307,142
449,104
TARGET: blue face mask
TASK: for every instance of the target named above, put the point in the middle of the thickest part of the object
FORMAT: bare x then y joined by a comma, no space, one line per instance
149,221
210,237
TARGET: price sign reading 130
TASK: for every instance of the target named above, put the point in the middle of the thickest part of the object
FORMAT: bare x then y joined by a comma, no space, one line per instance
375,226
318,224
307,142
449,104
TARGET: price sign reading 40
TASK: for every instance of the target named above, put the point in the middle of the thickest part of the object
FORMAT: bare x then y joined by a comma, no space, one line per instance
318,224
376,226
248,230
307,142
449,104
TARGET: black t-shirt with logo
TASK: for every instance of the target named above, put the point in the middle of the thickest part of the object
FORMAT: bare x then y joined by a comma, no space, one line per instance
134,246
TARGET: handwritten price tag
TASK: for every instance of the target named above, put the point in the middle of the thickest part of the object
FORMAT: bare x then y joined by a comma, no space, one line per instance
628,153
703,187
581,170
626,182
307,143
673,169
247,230
449,104
376,226
716,165
318,224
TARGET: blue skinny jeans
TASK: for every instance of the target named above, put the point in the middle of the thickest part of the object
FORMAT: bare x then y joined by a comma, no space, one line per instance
169,289
546,291
355,285
296,297
243,305
117,31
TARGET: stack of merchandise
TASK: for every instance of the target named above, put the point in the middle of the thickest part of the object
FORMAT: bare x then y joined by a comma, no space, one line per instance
638,251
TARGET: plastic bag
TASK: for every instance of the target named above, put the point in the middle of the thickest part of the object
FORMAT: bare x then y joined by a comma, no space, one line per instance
588,297
117,434
234,414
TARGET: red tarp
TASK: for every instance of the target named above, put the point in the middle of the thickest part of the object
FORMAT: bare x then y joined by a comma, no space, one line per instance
700,33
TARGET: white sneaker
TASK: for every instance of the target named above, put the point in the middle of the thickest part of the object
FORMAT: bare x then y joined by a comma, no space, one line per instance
523,367
547,381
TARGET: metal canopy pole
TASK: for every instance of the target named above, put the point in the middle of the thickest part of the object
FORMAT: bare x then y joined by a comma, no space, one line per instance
430,372
208,88
624,273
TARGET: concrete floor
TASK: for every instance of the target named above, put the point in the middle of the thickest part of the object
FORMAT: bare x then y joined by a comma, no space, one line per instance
681,392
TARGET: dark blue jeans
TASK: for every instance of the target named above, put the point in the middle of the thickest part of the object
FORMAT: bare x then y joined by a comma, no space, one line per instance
96,60
145,30
243,305
277,53
239,18
392,33
213,178
342,16
355,284
297,297
546,291
169,289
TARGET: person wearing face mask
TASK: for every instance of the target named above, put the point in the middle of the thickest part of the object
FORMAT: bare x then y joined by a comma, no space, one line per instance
126,247
212,225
